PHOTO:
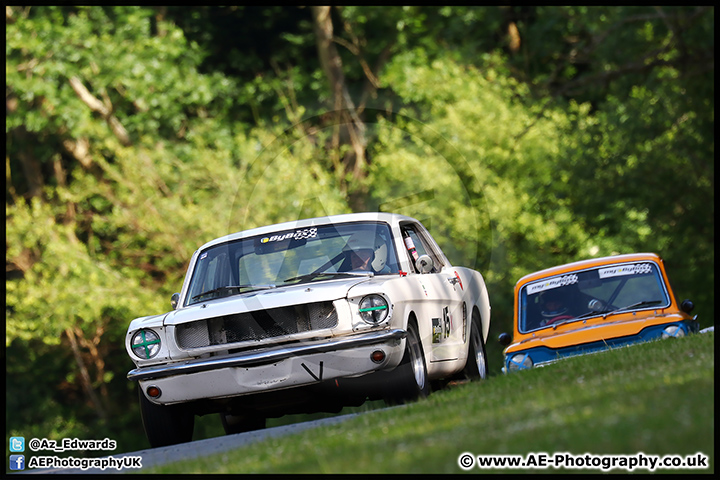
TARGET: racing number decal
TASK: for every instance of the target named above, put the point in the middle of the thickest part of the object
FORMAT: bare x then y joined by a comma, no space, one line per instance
441,327
437,330
446,321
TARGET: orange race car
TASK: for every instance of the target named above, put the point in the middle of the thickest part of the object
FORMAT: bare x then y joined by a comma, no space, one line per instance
593,305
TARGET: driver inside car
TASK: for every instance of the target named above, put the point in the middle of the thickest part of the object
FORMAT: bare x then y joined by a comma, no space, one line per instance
367,252
553,307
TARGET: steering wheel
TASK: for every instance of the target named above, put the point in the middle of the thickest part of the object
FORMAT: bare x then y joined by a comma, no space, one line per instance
558,318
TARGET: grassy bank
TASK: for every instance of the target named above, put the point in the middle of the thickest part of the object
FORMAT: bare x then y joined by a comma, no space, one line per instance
655,398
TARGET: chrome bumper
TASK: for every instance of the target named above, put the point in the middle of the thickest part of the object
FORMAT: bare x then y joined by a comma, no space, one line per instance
271,355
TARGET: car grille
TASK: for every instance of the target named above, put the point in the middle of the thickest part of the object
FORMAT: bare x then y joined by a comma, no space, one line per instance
258,325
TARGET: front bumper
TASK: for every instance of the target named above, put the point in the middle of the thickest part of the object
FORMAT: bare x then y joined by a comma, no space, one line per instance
541,356
270,369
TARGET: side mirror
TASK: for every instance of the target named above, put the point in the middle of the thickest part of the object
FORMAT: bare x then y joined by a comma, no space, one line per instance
687,306
424,264
504,339
174,300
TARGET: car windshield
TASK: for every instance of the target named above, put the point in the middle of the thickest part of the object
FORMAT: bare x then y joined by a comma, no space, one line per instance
601,291
293,256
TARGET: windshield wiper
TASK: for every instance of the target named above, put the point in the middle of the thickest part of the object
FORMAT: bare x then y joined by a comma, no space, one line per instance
233,287
568,320
587,314
644,303
310,276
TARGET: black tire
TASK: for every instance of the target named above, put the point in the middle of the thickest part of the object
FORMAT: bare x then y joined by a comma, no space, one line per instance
233,424
409,381
166,424
476,367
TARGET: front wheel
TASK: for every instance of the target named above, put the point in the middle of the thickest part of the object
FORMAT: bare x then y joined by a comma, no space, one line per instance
409,380
166,424
476,367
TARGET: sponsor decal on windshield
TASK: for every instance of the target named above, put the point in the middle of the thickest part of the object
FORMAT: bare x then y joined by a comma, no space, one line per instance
296,235
552,283
632,269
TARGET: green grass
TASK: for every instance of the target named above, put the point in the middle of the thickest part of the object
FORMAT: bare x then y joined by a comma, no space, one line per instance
655,398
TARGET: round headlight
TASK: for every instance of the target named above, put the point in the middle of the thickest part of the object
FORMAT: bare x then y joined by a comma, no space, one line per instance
373,309
145,344
521,361
673,331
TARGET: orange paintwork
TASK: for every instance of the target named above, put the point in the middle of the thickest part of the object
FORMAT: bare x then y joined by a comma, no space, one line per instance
596,328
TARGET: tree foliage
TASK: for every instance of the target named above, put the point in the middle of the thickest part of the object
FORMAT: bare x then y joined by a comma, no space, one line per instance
523,137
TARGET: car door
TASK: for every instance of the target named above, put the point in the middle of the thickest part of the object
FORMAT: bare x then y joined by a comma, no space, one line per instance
441,307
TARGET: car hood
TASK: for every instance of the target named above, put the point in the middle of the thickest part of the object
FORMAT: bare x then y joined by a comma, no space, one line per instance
572,334
325,291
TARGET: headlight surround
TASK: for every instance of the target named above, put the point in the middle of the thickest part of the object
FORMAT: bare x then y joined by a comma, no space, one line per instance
374,309
520,361
145,344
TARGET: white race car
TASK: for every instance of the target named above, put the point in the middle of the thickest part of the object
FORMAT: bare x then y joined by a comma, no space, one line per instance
305,317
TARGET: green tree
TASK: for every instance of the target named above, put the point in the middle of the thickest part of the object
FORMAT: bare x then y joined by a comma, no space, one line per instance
122,159
523,137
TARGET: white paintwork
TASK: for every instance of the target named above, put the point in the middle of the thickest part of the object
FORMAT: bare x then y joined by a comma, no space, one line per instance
422,297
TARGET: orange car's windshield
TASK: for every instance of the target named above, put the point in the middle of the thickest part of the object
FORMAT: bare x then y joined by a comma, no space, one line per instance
603,290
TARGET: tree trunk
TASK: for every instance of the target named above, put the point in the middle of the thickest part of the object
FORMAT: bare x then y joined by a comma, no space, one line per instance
85,376
346,114
32,169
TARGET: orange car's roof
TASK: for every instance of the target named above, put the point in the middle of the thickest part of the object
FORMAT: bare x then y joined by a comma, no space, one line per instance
582,264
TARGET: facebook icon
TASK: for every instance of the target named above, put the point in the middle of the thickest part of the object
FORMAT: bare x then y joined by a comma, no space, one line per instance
17,462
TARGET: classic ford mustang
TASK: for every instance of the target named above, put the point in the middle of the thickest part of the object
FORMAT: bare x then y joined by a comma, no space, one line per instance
304,317
593,305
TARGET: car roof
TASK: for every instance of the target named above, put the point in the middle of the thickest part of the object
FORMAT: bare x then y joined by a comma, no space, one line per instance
592,262
390,218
